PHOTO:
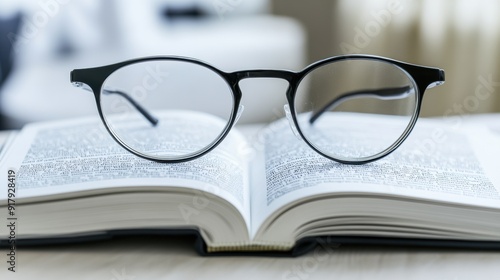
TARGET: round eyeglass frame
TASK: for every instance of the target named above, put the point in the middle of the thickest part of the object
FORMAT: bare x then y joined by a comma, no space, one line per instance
422,77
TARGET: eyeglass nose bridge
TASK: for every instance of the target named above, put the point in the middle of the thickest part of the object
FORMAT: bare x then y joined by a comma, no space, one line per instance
278,74
289,76
235,78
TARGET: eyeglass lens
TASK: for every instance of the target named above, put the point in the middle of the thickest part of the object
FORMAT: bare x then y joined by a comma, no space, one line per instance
142,105
355,108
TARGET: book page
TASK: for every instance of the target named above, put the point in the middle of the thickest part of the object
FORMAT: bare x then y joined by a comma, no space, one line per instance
79,155
434,163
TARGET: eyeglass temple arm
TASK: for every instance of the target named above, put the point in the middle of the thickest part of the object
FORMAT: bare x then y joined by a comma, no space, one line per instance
144,112
384,93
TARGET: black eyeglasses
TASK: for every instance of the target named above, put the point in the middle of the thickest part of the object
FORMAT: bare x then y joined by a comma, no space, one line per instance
174,109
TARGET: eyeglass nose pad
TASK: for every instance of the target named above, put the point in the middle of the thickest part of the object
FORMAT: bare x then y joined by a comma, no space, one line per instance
290,121
241,108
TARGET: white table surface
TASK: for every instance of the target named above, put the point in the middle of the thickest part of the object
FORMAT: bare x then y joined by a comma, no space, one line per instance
175,258
157,257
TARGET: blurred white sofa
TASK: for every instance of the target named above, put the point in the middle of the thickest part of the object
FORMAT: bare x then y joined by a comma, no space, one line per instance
240,37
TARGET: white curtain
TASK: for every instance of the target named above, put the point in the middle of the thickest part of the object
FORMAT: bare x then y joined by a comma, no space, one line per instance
462,37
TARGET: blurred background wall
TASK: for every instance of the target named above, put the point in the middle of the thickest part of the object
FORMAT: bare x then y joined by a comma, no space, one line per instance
57,36
41,41
462,37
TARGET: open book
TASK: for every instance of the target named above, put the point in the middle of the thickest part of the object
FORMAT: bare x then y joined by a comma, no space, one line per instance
261,189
